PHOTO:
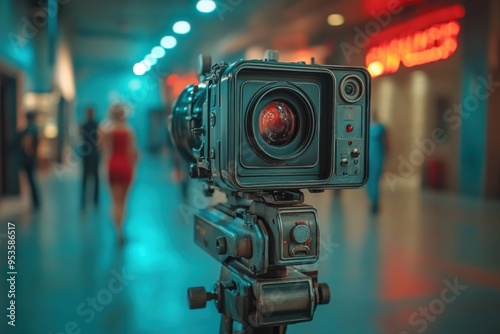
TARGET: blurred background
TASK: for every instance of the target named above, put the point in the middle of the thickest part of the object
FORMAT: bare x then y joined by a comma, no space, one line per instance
424,256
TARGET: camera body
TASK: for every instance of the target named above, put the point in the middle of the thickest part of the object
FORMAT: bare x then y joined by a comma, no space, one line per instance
257,126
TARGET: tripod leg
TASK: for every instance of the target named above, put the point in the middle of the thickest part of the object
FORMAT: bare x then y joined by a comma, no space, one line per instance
226,324
226,327
269,330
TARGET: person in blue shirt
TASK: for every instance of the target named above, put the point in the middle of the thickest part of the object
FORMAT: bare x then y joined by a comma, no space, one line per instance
377,154
29,145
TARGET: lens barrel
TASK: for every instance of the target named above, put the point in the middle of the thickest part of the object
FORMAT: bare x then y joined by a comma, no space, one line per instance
279,123
186,116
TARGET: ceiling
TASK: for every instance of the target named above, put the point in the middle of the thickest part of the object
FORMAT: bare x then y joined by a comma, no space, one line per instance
119,33
115,34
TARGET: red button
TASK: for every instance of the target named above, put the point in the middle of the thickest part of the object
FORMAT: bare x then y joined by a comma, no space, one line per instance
349,127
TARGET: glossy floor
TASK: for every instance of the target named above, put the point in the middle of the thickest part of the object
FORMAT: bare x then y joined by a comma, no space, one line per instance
427,263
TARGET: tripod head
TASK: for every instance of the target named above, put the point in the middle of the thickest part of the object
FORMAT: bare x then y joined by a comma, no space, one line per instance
258,242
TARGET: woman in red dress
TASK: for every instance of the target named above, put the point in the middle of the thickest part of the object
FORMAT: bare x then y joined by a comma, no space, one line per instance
120,143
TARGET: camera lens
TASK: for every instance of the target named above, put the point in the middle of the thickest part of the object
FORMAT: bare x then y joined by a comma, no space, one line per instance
280,123
277,123
349,89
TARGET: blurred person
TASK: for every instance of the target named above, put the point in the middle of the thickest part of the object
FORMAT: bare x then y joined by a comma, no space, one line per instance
119,141
377,154
29,140
90,156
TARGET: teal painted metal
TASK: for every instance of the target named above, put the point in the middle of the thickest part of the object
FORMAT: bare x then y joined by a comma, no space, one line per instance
474,101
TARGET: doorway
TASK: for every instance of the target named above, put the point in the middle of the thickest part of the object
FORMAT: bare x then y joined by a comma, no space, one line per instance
9,178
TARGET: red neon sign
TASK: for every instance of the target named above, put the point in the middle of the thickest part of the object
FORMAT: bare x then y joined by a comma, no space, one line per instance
437,41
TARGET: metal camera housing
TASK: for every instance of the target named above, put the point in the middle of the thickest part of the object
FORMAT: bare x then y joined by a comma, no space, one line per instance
216,126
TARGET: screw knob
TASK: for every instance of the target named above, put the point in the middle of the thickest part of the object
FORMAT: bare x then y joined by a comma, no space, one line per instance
324,293
198,297
221,245
300,234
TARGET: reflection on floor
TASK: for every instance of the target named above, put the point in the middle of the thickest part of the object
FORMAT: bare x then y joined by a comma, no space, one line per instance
429,262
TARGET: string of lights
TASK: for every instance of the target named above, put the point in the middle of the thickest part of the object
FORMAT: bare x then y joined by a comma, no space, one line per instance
169,42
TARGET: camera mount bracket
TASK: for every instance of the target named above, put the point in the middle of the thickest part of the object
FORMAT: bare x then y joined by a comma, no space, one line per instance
278,197
258,243
252,304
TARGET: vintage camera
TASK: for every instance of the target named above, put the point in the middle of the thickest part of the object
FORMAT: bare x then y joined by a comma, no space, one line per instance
261,131
265,125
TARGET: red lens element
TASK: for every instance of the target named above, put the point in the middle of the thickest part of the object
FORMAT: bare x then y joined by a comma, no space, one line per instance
349,128
277,123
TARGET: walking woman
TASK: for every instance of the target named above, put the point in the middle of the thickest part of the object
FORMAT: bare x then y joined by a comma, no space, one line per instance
119,142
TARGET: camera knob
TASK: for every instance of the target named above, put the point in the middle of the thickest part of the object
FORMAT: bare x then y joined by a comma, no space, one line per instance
198,131
323,293
197,172
300,233
355,153
198,297
271,55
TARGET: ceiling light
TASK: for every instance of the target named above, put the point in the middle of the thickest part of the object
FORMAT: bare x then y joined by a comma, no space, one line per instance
205,6
139,69
135,84
152,60
50,131
182,27
335,20
146,64
158,52
168,42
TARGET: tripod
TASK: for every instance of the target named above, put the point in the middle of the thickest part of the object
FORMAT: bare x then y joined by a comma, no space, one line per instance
259,238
